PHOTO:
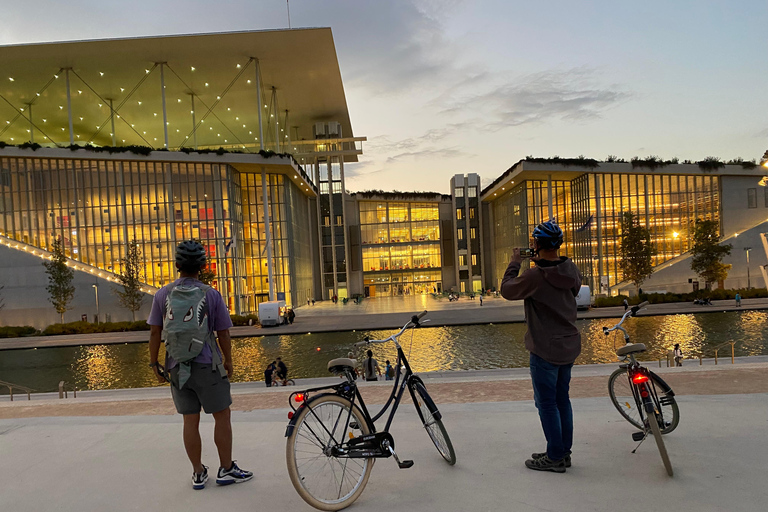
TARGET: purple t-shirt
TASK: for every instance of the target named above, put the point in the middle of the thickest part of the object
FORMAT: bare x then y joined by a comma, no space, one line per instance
218,316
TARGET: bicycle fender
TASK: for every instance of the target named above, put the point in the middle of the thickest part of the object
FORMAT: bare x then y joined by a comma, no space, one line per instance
667,390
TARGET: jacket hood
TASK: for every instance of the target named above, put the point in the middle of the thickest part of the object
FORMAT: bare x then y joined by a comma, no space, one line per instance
564,275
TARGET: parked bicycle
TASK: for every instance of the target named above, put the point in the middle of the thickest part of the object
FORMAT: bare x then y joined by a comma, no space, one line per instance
332,440
283,382
641,396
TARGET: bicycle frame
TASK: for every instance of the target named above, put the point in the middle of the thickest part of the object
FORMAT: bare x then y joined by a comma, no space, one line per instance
350,391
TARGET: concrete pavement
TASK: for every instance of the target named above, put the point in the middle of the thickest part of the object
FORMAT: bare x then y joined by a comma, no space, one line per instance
138,463
385,313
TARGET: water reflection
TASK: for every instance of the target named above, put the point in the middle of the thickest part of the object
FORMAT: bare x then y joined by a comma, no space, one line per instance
428,349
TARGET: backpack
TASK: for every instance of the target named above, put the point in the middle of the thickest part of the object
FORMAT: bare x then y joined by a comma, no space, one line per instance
390,371
185,327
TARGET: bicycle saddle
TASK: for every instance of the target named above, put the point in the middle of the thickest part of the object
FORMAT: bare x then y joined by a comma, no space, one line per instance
631,349
340,364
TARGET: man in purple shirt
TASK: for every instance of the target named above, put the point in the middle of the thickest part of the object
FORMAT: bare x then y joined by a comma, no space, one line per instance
206,387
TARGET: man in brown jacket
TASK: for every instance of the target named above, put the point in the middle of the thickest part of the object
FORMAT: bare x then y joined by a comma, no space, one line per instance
549,292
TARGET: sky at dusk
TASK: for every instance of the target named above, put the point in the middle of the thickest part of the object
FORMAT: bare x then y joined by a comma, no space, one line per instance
447,87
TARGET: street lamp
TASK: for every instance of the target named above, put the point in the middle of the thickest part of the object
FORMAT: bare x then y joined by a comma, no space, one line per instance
96,289
746,250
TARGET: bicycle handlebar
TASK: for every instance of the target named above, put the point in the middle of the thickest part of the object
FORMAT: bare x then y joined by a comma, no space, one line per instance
394,337
630,312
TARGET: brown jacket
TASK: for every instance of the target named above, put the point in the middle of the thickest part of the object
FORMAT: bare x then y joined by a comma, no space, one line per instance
549,291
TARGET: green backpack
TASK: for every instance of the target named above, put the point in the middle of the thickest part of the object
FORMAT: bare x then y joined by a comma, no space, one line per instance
185,327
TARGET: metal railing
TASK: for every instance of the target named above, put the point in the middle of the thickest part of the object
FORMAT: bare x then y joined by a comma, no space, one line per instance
63,393
11,387
715,351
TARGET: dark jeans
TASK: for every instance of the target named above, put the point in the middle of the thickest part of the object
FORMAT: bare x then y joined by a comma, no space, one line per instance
550,391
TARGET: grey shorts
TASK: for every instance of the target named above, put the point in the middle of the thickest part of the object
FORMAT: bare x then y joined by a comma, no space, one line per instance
205,387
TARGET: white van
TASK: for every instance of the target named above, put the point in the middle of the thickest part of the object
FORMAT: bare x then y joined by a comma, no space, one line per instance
584,298
269,313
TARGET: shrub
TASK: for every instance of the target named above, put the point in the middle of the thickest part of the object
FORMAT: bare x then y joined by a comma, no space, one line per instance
89,328
666,298
16,331
243,319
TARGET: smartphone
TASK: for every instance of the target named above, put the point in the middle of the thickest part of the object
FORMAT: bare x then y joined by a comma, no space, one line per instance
527,252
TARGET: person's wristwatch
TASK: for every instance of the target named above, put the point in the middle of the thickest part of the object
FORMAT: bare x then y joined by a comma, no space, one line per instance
152,365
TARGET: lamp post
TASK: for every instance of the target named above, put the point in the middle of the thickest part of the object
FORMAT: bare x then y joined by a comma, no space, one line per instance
746,250
96,289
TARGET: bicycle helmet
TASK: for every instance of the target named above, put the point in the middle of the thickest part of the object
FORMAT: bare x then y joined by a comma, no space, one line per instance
548,234
190,254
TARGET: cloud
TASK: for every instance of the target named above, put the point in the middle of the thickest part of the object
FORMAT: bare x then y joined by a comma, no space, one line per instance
572,94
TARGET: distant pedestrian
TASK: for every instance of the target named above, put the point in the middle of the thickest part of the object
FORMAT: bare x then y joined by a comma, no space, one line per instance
371,367
313,302
291,316
268,375
738,300
626,305
481,299
678,355
389,371
307,302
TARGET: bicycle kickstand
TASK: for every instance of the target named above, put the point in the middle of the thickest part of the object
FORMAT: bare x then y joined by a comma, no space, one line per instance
639,436
405,464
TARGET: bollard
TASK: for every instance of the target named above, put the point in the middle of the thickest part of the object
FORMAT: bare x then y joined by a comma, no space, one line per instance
660,363
716,356
701,361
733,344
61,389
74,392
10,388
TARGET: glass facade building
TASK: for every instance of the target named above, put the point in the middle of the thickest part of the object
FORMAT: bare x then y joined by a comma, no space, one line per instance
589,209
96,207
400,247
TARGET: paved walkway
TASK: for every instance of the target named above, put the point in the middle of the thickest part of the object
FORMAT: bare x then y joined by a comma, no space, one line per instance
385,313
93,464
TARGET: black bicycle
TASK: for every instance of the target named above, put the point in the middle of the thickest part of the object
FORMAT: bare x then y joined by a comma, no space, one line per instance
332,440
641,396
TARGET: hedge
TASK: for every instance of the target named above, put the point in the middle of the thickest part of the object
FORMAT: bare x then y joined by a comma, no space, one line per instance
15,332
663,298
89,328
238,320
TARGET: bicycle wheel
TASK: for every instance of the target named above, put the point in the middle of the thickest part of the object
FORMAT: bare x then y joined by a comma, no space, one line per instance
290,382
324,481
653,422
432,421
620,391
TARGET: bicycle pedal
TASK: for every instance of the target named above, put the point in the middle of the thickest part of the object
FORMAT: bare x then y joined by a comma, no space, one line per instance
405,464
638,436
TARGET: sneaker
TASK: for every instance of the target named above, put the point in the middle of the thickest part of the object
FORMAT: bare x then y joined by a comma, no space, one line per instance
199,479
544,454
233,475
546,464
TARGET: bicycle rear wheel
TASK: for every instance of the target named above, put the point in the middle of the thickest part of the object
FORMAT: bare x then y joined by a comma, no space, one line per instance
432,420
623,399
653,423
322,480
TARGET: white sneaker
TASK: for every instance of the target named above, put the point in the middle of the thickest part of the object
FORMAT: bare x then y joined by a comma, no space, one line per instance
233,475
199,479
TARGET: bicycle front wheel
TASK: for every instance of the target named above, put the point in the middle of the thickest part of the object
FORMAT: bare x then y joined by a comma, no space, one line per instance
653,423
323,480
290,382
623,399
432,421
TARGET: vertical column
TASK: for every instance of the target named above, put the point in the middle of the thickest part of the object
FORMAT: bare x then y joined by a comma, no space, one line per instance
329,163
112,120
218,206
259,103
287,137
316,170
344,219
194,122
277,121
31,125
599,228
265,204
162,94
69,109
549,195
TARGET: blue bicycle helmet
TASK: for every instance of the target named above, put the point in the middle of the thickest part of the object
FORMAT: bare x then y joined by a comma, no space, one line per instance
548,234
190,254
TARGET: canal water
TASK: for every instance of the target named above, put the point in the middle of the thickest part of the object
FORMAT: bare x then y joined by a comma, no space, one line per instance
468,347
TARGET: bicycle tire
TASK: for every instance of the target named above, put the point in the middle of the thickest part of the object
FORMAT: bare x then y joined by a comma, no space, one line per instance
307,443
653,422
290,382
624,401
432,421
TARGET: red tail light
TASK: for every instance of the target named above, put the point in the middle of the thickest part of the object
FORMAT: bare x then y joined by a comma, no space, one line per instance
640,378
298,397
290,415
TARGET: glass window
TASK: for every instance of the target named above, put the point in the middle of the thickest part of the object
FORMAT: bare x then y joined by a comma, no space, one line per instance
462,260
460,235
472,192
752,198
459,214
471,213
459,192
472,233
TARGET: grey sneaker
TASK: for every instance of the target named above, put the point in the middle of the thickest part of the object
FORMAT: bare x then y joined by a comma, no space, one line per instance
544,454
199,479
233,475
546,464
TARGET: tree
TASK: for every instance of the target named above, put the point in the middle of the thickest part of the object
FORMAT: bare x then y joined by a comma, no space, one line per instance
708,254
207,275
131,297
60,276
636,250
